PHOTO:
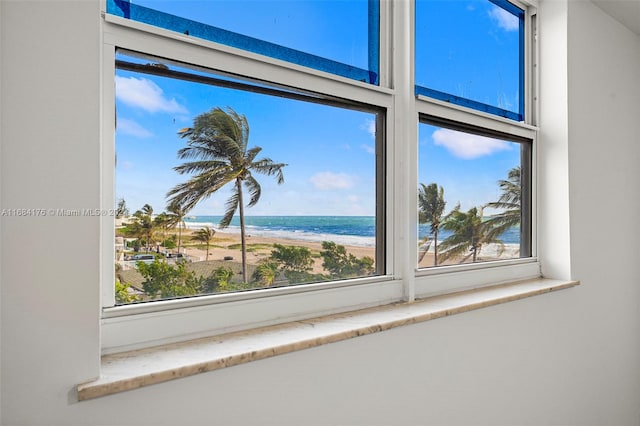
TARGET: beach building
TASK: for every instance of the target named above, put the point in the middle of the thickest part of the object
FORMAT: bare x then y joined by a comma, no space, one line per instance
569,357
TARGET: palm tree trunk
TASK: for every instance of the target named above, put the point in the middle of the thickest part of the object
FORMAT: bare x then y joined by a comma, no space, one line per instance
179,234
207,256
435,247
243,239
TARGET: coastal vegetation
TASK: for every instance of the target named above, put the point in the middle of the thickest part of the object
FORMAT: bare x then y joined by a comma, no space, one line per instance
141,226
219,280
170,275
470,230
294,262
286,265
162,280
509,202
121,209
470,233
266,272
341,264
431,206
175,218
205,235
124,295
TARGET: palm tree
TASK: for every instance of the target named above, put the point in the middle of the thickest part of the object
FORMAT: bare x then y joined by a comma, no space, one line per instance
147,209
205,235
509,201
161,221
430,209
143,225
176,219
469,234
121,209
217,147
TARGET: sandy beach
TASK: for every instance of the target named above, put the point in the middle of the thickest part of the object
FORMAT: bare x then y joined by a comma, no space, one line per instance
227,244
225,247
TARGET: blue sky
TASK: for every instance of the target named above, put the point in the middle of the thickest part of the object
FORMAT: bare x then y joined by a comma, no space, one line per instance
329,150
467,166
468,49
334,29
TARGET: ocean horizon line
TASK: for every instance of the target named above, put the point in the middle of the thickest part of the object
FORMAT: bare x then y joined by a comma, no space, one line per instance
281,215
347,230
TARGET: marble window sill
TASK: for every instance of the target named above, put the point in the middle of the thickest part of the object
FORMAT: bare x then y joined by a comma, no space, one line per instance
134,369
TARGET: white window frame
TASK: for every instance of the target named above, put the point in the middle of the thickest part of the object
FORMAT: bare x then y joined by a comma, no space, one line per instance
143,325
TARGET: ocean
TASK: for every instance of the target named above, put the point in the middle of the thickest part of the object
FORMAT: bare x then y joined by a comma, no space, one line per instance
346,230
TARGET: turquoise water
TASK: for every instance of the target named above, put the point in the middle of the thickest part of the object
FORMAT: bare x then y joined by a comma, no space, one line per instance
350,230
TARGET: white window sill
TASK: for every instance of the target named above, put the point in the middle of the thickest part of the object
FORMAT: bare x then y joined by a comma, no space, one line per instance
134,369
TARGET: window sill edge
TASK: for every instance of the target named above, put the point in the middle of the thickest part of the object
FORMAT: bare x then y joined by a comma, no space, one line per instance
134,369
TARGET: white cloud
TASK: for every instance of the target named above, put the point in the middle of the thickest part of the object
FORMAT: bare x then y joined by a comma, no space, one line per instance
145,94
130,127
504,19
468,146
503,101
368,148
370,127
329,180
126,165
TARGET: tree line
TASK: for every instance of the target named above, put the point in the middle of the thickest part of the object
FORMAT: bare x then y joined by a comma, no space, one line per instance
287,265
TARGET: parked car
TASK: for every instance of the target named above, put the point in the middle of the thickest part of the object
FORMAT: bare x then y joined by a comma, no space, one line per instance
177,256
145,258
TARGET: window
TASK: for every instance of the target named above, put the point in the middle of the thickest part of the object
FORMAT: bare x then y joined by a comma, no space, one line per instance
283,30
353,157
474,201
472,54
310,182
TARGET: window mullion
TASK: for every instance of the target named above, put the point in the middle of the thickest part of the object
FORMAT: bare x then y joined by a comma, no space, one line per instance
405,146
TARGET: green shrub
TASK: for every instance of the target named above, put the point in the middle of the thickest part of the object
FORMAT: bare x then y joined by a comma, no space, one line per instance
123,295
165,281
341,264
219,280
266,272
292,258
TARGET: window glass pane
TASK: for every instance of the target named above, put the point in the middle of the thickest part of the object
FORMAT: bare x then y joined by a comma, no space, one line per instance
470,196
340,37
326,153
471,53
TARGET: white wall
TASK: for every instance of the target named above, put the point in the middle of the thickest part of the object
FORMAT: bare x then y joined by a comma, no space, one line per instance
50,146
1,84
572,357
